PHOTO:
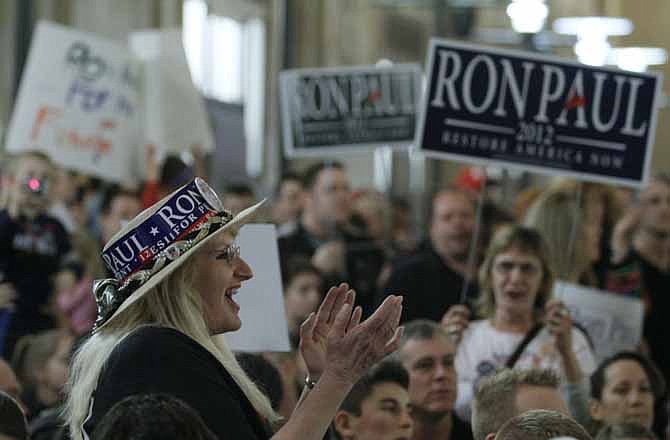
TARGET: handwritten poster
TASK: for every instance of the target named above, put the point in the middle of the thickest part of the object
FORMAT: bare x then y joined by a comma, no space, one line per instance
614,322
79,102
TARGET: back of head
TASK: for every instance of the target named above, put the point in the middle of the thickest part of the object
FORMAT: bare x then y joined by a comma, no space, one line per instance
12,421
625,431
555,215
174,173
494,401
152,416
32,352
541,424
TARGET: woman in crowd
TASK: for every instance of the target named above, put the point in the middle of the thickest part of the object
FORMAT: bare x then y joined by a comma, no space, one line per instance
41,362
571,225
521,325
625,388
177,269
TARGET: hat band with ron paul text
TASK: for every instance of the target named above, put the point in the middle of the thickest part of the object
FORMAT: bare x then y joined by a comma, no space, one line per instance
186,218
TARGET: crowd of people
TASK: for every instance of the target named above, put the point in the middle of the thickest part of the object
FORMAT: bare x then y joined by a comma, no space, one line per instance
113,299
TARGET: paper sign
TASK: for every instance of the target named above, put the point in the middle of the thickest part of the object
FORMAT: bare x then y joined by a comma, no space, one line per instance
614,322
175,117
79,102
349,109
261,299
539,113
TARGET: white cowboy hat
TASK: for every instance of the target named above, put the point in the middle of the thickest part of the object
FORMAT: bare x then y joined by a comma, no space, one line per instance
157,241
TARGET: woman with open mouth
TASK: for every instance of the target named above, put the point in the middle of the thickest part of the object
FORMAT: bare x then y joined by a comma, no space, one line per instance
177,271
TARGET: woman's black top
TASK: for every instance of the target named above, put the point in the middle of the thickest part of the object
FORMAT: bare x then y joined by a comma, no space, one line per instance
164,360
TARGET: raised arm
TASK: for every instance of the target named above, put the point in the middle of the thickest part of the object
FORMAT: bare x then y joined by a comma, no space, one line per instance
339,348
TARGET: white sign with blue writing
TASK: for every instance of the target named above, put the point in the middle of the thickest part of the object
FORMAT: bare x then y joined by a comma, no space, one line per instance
79,101
536,112
613,321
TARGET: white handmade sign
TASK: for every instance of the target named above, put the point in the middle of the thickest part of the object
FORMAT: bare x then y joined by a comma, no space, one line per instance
174,117
92,104
613,321
79,101
261,299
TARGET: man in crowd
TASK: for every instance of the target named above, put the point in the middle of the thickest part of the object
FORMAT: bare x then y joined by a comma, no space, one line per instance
32,246
119,205
377,407
431,280
641,267
238,197
428,356
540,424
509,393
324,234
288,203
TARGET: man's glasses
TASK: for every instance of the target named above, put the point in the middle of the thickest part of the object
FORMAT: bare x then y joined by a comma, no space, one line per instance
230,253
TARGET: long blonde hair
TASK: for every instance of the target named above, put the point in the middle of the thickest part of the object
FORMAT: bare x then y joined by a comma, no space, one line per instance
554,215
172,303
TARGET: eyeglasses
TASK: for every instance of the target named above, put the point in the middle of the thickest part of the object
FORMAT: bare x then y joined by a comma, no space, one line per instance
506,267
230,253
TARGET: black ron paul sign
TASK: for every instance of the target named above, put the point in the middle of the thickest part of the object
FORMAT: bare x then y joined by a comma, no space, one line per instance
538,112
349,108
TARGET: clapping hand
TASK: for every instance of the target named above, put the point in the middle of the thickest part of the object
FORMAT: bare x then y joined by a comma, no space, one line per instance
335,341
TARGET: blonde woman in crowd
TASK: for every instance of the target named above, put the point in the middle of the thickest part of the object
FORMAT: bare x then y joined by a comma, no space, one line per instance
572,227
520,325
177,269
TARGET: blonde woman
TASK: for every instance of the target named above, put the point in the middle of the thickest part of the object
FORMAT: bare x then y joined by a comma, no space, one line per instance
572,227
177,270
521,326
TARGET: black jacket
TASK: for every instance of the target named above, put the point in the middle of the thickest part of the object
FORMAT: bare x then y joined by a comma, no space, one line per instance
364,261
428,285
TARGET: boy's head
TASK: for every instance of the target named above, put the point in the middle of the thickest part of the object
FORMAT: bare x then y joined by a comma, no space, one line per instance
377,407
303,284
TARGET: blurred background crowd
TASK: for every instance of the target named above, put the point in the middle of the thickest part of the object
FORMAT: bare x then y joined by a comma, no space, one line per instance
475,251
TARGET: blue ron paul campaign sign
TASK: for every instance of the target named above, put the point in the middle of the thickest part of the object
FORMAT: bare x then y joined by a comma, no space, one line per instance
540,113
351,108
